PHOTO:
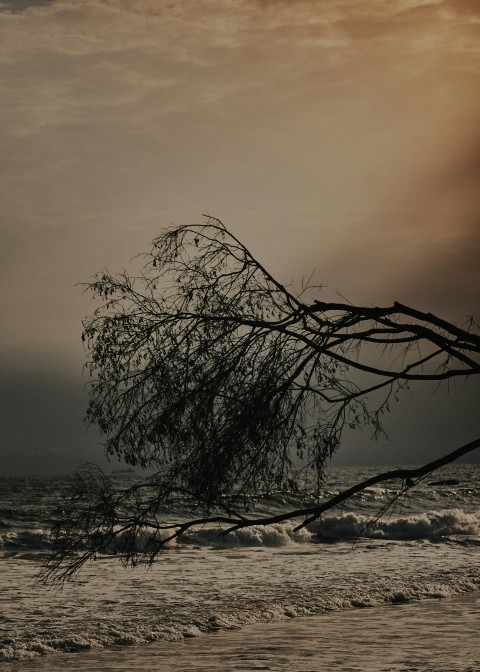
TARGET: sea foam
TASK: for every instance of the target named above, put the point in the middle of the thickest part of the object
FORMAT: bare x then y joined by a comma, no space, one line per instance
430,525
433,525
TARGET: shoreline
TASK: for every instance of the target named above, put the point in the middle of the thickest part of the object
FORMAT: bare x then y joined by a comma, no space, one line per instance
423,635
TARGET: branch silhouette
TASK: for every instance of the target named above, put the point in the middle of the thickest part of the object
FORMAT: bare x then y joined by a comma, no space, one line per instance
221,382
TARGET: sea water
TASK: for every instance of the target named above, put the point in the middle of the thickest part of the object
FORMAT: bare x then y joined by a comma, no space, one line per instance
401,594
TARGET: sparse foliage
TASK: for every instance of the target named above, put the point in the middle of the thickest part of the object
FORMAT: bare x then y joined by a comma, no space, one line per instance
221,382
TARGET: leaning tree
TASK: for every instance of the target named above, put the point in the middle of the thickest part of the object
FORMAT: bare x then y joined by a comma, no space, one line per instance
218,381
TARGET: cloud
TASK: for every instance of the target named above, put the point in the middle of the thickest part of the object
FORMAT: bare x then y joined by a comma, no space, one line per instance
469,8
42,428
17,6
334,136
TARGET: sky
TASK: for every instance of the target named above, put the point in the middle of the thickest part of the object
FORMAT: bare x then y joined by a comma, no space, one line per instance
339,137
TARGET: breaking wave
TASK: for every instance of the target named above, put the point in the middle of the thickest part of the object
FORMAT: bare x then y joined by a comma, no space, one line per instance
430,525
436,526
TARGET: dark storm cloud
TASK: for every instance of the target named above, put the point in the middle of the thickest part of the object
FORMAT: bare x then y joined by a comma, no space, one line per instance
427,421
16,6
42,428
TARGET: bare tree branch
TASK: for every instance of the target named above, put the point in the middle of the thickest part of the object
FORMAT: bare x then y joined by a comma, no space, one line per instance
222,382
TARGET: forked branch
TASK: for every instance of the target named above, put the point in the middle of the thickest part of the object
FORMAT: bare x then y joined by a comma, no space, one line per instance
222,383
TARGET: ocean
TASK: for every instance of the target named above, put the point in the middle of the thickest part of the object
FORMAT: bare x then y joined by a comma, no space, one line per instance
402,593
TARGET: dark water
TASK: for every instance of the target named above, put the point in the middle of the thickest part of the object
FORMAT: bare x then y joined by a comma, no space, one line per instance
427,549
